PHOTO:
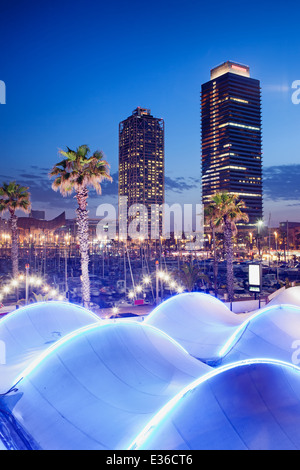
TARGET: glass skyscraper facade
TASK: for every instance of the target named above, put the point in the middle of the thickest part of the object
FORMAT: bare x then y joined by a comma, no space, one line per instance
232,136
141,166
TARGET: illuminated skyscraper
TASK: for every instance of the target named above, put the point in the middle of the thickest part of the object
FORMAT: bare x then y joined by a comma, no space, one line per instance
141,164
231,136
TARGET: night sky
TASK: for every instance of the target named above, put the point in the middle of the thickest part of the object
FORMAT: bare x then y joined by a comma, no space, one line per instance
74,69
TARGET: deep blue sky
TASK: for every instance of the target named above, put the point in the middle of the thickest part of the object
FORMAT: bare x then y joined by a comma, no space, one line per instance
75,69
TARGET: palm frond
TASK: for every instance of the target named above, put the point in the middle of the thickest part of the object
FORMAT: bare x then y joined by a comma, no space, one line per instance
14,197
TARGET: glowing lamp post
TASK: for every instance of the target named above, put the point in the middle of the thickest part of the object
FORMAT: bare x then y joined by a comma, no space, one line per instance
27,283
276,238
157,280
276,247
259,225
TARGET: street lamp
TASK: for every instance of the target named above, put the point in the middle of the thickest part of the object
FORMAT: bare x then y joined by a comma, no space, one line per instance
276,237
147,280
67,243
157,281
27,284
251,244
259,225
115,311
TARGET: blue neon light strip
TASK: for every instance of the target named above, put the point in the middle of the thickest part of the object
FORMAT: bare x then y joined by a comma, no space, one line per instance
169,407
56,304
232,340
208,297
77,333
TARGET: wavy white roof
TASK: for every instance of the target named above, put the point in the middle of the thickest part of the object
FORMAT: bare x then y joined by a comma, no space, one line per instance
26,332
272,332
97,388
288,296
72,381
199,322
253,405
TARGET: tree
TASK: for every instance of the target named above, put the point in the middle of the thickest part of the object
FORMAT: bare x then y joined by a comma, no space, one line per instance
14,197
211,215
190,274
228,211
76,173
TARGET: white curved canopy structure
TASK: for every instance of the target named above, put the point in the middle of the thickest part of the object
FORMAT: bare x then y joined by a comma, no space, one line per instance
72,381
253,405
26,332
289,296
272,332
199,322
98,387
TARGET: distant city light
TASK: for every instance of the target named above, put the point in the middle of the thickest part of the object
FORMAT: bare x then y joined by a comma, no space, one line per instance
147,280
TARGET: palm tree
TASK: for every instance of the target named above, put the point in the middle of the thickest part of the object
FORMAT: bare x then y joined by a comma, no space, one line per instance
228,213
189,274
211,214
14,197
76,173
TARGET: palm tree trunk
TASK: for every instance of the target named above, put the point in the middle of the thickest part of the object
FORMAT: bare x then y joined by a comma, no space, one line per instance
229,260
83,234
215,261
14,244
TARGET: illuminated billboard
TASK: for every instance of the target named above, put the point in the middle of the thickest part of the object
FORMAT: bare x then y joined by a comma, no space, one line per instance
255,277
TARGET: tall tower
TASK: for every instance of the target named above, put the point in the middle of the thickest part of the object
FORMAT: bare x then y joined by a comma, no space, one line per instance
141,164
231,136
